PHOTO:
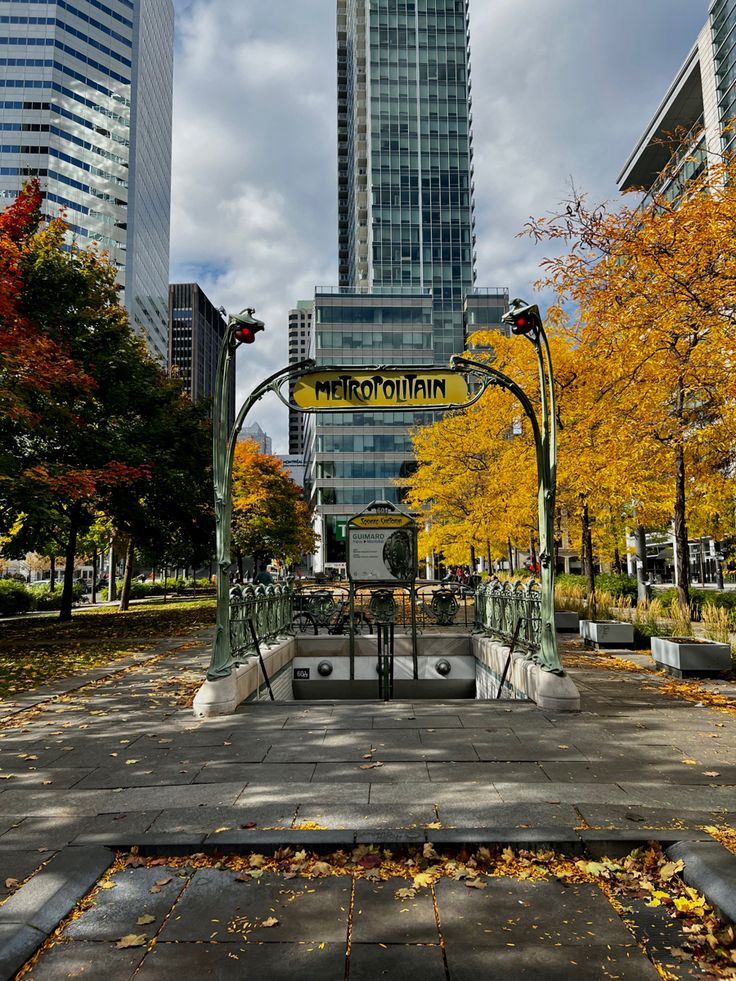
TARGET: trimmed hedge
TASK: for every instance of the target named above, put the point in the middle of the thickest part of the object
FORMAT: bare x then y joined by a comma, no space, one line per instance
140,590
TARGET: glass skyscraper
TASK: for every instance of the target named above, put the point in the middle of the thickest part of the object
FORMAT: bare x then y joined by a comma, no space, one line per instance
406,239
405,154
85,106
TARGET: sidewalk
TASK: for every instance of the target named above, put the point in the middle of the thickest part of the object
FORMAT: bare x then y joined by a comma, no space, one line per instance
121,762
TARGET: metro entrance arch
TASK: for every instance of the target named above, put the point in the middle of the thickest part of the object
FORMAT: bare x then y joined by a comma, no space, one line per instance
337,389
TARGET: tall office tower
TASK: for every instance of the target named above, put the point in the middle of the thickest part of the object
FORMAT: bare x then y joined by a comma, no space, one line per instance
85,106
406,237
405,155
196,331
694,121
300,324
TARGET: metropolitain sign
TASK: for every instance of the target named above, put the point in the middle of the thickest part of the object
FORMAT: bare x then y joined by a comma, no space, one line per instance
381,388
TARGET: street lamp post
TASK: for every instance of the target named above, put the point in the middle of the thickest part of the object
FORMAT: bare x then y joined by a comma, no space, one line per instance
241,329
525,320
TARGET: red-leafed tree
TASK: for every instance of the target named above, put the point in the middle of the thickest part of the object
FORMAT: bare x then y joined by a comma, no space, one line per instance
67,382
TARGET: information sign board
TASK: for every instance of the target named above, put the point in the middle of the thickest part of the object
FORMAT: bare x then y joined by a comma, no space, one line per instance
382,546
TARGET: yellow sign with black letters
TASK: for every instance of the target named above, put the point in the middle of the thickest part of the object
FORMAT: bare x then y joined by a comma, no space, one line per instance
382,388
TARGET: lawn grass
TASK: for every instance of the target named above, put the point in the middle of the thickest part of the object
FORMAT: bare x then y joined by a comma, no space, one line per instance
37,650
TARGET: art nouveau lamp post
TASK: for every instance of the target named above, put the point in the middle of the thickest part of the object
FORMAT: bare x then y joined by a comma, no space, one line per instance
241,329
525,320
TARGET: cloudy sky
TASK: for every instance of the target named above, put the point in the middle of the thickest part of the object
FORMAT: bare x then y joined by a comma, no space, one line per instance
561,90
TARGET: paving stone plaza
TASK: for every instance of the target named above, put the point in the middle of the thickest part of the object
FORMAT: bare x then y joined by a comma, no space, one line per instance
121,762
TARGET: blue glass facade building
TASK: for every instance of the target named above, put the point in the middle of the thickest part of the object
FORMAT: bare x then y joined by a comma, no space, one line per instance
85,106
405,154
406,238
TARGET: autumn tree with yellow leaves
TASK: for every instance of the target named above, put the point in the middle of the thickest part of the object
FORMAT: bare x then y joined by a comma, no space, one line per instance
645,382
655,339
475,481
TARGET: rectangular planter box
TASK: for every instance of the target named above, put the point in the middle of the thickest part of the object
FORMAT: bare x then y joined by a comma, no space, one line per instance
683,656
607,633
567,621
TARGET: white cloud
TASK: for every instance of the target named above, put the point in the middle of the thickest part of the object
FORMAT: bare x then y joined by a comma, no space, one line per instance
560,89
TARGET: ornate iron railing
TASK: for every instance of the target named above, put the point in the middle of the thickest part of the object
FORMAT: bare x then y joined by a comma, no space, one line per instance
269,607
500,607
437,607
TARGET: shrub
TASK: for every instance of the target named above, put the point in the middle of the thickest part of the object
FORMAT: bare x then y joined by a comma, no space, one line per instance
567,579
575,597
699,598
613,584
646,618
617,585
15,598
681,619
716,623
46,599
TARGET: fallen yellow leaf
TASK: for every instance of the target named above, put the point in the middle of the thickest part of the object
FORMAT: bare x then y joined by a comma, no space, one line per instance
132,940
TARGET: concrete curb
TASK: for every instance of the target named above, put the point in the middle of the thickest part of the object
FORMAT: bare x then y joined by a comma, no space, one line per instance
711,869
36,909
568,840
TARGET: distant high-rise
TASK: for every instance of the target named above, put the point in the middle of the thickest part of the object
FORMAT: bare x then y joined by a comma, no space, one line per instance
406,238
85,106
196,332
255,434
300,324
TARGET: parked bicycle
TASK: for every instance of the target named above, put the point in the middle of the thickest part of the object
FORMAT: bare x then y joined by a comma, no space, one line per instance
321,609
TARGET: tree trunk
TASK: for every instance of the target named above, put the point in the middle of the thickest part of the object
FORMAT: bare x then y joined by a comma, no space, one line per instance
642,572
165,573
93,600
239,559
490,560
472,560
511,556
127,577
701,561
112,587
75,514
682,549
52,574
617,561
589,568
